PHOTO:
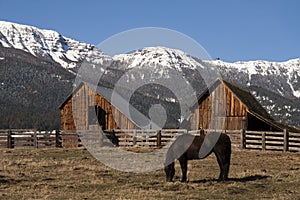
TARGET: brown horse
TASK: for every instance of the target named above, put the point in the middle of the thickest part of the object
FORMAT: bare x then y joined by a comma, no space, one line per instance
222,150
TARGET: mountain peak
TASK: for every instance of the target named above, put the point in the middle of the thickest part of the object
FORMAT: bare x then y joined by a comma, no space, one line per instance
163,56
48,44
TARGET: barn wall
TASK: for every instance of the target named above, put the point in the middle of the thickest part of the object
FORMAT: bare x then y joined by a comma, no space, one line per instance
114,118
67,121
84,98
220,110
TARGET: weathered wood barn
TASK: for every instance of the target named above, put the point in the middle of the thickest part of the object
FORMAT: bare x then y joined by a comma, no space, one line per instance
221,106
226,106
89,106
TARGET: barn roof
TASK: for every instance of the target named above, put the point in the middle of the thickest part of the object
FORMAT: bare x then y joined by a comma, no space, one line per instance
249,101
122,105
105,92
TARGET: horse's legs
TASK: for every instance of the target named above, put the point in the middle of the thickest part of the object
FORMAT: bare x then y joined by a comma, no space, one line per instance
219,159
224,163
183,164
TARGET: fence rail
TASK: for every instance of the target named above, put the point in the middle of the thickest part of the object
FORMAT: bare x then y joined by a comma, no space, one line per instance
275,141
241,139
29,138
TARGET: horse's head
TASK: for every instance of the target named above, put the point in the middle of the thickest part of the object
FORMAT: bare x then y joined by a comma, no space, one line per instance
170,172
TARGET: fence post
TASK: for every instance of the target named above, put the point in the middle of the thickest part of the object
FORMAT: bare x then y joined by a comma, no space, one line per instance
35,142
202,132
134,137
115,138
263,141
10,140
158,139
243,139
57,139
285,140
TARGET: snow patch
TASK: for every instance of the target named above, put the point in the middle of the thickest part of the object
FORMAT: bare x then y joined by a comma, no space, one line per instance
297,93
158,56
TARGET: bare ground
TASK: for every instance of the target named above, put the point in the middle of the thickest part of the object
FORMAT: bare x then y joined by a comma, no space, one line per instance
75,174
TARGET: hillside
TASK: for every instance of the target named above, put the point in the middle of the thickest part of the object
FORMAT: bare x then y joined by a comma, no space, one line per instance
31,90
38,67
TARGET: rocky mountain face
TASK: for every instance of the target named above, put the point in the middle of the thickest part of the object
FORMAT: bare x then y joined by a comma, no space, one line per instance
38,68
49,45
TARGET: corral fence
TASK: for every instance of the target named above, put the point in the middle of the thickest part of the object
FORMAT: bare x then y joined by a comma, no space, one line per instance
241,139
120,137
29,138
275,141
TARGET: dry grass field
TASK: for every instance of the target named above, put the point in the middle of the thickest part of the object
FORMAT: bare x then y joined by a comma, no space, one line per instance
75,174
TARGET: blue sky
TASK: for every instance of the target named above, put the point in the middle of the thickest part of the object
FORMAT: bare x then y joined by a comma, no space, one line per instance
231,30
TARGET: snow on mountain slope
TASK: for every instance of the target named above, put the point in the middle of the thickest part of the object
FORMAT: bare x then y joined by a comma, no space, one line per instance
48,44
150,56
281,77
276,85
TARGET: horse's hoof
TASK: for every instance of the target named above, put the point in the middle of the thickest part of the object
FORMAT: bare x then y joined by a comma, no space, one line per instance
222,179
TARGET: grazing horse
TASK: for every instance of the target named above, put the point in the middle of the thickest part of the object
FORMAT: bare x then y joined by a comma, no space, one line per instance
222,150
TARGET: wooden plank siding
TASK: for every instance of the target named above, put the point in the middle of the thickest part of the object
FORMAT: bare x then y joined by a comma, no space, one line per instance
67,121
78,106
221,109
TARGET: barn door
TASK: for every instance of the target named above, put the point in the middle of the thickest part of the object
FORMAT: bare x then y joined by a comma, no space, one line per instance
101,115
97,116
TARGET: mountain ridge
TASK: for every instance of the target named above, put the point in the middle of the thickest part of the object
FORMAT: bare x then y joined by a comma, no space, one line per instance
48,44
272,83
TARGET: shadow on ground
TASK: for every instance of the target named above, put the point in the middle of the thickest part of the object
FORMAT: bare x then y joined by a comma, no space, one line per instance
243,179
6,180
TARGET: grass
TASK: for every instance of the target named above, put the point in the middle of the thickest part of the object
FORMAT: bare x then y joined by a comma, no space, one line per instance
75,174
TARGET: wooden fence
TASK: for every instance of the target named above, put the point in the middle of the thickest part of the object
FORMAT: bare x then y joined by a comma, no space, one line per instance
275,141
29,138
118,137
241,139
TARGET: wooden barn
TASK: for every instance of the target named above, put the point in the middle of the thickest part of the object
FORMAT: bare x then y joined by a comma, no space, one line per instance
89,106
226,106
222,106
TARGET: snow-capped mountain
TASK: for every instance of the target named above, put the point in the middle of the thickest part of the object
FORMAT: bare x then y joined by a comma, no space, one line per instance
153,56
169,67
48,44
276,85
281,77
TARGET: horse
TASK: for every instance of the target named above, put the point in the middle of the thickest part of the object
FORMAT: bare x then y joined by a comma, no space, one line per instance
222,151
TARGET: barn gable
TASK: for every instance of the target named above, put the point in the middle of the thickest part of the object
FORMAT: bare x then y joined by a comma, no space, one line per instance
224,105
91,106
